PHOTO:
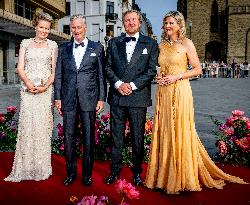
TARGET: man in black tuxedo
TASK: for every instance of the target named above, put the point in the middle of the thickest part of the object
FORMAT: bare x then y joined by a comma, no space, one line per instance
79,90
131,66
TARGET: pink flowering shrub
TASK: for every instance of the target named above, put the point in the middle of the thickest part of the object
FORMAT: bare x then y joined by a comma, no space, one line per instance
102,147
8,129
233,139
127,191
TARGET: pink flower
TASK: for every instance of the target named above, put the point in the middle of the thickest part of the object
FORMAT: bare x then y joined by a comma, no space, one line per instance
106,117
61,147
222,127
2,134
222,148
237,113
228,131
59,130
107,150
11,109
245,119
122,186
88,200
96,134
2,119
248,125
230,120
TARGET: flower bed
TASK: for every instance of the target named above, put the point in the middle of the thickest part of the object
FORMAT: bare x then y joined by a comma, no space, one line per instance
103,140
8,129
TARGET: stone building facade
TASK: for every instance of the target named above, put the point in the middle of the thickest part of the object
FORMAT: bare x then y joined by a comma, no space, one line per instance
220,29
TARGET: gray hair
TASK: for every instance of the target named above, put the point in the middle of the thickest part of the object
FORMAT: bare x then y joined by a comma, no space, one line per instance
78,16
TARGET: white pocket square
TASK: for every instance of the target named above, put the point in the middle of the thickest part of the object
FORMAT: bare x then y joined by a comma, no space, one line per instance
145,51
92,54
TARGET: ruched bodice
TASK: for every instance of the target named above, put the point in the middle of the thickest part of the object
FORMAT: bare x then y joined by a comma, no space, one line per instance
171,61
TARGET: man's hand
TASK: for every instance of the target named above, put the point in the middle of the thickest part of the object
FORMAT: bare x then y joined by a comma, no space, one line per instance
99,106
125,89
58,105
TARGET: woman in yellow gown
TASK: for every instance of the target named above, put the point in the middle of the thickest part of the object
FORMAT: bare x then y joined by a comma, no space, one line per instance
178,160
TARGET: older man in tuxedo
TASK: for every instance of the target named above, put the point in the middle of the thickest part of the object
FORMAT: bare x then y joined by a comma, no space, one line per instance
131,66
79,91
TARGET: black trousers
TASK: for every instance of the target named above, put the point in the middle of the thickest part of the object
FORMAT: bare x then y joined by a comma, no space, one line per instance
88,131
137,118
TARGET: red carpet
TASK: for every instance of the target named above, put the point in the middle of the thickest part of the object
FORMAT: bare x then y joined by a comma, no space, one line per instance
52,191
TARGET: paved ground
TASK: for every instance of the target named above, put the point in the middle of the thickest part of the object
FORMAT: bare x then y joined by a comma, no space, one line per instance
212,97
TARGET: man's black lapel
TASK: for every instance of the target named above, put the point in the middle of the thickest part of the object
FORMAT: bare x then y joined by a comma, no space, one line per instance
90,49
140,45
69,51
121,47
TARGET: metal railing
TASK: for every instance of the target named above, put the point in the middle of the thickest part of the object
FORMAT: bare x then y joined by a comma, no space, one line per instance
9,77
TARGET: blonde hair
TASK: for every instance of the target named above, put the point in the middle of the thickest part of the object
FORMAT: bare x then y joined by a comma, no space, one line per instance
42,16
180,21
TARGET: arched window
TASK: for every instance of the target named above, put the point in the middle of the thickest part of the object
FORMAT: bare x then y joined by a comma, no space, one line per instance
214,17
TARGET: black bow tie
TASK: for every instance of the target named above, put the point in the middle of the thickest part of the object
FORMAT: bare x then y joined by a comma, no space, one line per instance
79,44
127,39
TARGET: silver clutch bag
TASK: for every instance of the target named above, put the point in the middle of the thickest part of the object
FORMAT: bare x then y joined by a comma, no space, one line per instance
36,82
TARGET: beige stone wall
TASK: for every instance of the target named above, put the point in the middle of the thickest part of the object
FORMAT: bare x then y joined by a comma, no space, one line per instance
56,4
237,28
238,3
199,11
199,15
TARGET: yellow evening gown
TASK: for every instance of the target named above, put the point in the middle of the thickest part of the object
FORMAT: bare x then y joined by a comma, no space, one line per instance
178,160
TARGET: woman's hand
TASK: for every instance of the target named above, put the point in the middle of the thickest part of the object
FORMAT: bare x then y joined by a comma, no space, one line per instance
160,80
169,79
38,89
166,80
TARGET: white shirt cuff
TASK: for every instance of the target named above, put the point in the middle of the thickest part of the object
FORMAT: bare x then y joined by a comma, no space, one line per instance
118,84
133,86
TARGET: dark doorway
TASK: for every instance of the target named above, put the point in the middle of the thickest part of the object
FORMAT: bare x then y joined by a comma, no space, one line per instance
214,51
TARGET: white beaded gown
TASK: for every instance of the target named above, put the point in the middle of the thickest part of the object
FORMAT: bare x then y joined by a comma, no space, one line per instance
33,149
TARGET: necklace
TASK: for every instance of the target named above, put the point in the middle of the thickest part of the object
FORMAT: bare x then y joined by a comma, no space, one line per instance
39,42
174,41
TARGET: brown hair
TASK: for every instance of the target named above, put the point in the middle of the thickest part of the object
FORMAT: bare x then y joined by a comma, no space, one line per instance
132,11
180,21
41,16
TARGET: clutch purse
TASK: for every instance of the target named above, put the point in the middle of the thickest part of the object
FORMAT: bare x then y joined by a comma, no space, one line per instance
36,82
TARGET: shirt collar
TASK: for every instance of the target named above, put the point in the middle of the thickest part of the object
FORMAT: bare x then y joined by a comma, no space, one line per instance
136,36
85,41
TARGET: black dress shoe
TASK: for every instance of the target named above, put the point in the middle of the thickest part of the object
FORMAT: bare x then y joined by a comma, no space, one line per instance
111,178
87,181
68,181
137,180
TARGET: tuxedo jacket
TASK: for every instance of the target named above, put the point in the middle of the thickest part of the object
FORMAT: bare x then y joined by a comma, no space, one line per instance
86,83
140,70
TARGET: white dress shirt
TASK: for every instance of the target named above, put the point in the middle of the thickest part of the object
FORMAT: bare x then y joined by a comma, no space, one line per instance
79,52
130,47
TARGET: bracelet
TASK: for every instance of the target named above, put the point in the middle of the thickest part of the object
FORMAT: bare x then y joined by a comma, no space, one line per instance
46,86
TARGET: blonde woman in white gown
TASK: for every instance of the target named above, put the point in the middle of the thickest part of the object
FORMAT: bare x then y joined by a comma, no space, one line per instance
36,65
